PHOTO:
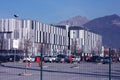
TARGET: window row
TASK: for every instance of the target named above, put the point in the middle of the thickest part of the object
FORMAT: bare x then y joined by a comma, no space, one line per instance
48,38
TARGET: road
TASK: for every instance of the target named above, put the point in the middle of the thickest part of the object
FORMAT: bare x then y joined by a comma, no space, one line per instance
59,71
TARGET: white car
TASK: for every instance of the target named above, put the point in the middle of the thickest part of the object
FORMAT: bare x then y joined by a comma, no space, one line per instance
29,59
76,59
49,58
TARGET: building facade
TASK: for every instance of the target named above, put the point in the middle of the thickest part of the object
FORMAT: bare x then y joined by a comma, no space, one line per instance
57,39
84,42
53,37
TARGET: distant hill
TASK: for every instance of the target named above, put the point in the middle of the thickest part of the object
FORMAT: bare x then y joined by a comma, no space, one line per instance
108,27
76,21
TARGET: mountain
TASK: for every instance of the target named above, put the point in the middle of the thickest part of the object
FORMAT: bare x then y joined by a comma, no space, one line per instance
76,21
108,27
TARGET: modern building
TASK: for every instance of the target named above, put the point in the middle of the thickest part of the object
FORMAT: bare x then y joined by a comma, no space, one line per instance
52,37
84,42
56,39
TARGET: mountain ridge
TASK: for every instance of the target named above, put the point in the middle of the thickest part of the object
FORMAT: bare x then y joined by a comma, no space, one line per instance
76,21
108,26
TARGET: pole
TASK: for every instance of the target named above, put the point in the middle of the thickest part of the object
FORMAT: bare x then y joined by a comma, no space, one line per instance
84,45
41,63
109,63
16,16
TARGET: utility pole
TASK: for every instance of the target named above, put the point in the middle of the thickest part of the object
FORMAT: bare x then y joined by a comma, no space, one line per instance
109,63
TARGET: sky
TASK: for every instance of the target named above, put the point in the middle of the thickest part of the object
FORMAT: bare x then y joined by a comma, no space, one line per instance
54,11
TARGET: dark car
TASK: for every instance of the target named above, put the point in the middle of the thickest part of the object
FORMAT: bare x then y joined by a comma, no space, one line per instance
12,58
62,58
93,59
105,60
3,58
96,59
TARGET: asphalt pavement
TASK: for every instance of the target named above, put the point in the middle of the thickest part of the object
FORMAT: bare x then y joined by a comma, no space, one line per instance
59,71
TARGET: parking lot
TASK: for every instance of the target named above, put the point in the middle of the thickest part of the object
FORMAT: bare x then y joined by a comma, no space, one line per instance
58,71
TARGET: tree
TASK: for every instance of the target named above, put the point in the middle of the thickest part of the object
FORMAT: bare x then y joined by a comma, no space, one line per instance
65,50
27,47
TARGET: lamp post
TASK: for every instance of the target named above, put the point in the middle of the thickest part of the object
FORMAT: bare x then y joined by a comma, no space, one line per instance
15,46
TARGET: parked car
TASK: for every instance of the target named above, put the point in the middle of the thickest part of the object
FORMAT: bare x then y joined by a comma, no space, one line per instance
93,59
62,58
49,58
12,58
88,58
29,59
105,60
3,58
119,59
76,59
96,59
115,59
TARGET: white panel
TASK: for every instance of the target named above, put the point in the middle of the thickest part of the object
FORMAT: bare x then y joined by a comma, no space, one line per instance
62,40
58,31
61,31
37,26
43,27
49,28
46,28
71,33
40,26
57,39
81,33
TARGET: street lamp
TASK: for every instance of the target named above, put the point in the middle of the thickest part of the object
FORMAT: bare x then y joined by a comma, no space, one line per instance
15,41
